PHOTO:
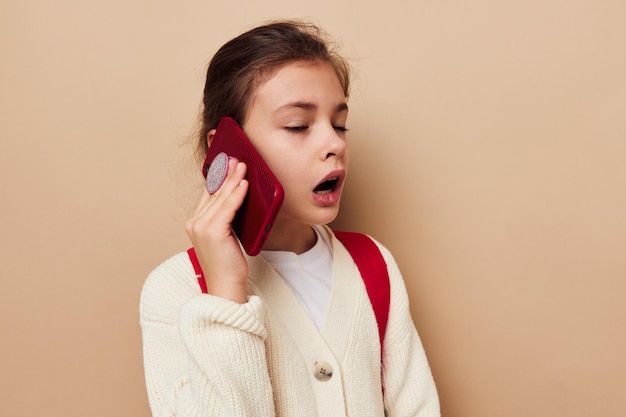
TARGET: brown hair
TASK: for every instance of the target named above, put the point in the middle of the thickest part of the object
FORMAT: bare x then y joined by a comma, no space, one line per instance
252,58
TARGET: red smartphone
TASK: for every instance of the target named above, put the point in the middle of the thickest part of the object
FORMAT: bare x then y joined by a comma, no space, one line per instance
255,218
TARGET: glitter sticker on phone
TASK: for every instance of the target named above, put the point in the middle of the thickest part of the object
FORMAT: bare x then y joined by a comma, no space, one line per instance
216,173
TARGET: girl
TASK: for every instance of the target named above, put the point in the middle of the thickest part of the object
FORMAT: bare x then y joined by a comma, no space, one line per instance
289,332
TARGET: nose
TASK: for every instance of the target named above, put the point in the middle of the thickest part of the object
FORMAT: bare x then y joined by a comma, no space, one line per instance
334,144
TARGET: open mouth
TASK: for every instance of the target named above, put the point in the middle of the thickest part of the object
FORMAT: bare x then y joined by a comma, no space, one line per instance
327,186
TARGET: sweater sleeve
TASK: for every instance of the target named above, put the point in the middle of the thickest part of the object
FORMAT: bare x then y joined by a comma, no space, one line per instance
409,386
203,355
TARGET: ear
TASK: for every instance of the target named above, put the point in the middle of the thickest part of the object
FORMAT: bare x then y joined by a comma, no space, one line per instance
209,137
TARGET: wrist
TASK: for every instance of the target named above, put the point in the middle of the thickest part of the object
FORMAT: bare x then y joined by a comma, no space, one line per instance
236,292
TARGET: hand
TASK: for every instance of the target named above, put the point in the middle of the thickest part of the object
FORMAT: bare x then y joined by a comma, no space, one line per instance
210,230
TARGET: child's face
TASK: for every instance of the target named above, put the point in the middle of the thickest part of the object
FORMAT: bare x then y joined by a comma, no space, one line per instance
297,121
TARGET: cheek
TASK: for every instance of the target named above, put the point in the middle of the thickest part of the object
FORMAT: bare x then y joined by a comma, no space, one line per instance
284,163
292,176
289,175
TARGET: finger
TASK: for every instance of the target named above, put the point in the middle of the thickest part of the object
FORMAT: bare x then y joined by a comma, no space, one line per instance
205,198
236,172
218,210
208,198
233,201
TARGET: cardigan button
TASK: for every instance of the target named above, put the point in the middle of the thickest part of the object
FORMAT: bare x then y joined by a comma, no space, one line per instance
322,371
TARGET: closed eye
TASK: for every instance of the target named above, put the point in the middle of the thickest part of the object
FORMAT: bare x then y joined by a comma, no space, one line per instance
342,129
296,128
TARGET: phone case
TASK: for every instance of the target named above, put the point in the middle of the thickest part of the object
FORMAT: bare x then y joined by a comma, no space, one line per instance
255,218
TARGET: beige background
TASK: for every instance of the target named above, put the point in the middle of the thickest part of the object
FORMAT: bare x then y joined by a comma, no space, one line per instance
489,141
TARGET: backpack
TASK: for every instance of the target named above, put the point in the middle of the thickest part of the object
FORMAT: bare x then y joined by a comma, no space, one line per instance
368,260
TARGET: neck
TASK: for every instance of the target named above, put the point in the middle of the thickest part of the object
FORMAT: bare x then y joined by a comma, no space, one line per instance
291,237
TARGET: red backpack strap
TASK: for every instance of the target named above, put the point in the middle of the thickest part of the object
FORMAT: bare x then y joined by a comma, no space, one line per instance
368,260
373,269
196,267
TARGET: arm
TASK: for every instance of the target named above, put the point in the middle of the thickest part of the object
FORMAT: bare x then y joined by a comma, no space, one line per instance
210,231
409,386
203,355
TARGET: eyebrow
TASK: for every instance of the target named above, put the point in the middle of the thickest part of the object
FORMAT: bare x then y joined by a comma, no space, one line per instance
309,106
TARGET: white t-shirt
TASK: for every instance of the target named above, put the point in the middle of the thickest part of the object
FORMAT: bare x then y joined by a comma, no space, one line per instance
308,275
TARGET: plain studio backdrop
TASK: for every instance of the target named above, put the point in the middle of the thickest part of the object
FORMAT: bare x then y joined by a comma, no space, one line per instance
488,142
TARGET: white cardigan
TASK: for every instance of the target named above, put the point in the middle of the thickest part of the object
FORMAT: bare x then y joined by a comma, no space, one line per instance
207,356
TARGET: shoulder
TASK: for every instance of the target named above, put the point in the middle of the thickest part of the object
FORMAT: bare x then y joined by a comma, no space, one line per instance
387,256
167,288
396,280
389,259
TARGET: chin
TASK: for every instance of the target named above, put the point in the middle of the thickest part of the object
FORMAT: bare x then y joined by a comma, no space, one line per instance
327,215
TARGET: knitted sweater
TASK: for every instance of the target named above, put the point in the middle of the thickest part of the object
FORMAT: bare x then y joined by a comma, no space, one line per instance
207,356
